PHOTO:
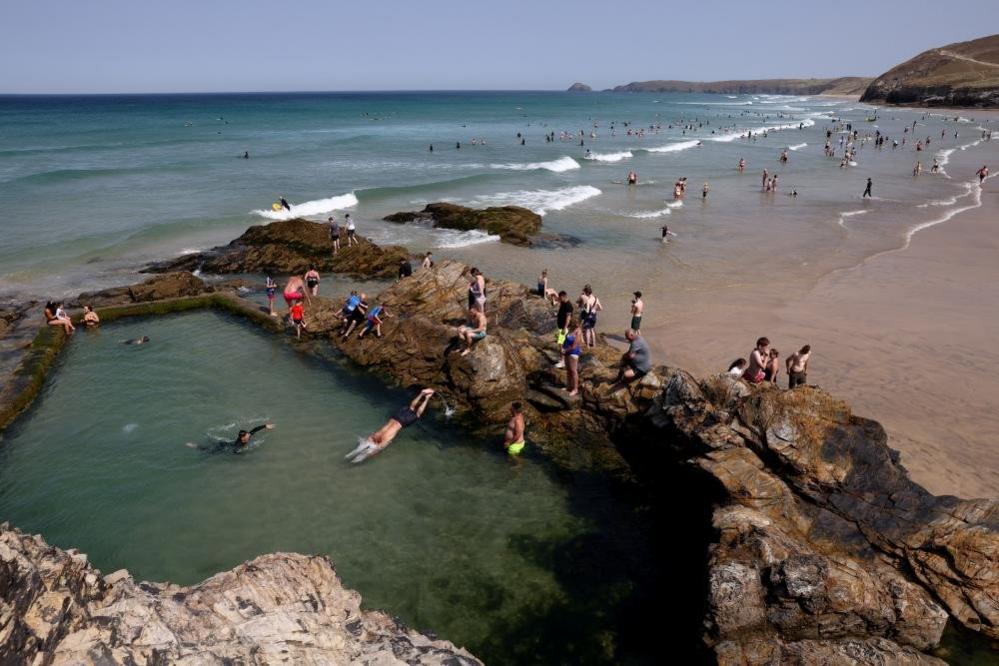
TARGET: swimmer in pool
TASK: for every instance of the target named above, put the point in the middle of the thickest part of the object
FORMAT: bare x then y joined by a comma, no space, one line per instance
382,437
513,441
136,341
239,444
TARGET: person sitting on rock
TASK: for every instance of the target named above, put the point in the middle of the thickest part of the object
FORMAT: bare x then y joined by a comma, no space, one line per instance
637,361
738,367
472,333
405,268
52,318
381,438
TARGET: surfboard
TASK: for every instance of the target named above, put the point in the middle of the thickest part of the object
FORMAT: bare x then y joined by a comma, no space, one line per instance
276,206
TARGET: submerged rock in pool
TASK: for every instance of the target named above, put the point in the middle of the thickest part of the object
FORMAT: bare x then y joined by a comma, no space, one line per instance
290,247
283,608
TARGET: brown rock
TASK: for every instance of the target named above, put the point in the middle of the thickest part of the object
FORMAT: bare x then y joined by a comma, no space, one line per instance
512,224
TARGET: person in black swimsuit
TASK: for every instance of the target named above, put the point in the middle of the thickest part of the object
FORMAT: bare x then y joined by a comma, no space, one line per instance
236,446
382,437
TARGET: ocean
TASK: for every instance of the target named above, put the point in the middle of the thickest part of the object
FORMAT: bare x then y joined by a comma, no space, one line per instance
93,187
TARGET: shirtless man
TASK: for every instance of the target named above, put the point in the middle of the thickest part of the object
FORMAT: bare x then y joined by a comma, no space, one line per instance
381,438
294,291
637,308
474,332
513,440
797,367
982,174
758,362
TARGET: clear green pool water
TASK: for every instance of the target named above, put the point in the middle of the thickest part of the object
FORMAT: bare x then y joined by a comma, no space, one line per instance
440,530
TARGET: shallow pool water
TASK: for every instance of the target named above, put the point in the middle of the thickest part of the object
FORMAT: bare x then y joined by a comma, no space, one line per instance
439,529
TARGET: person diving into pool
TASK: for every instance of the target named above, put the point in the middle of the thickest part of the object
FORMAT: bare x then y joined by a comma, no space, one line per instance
382,437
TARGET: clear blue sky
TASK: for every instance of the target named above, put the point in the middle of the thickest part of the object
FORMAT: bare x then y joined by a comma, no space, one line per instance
58,46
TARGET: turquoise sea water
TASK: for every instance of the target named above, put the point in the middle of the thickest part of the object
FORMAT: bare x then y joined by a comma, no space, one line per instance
92,186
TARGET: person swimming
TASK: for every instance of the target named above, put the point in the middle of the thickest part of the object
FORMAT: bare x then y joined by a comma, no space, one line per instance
238,445
136,341
377,441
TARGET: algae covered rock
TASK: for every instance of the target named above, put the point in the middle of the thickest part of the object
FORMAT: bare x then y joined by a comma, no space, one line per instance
290,247
513,224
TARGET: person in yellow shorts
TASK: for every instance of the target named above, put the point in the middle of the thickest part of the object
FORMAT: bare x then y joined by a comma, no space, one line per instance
513,441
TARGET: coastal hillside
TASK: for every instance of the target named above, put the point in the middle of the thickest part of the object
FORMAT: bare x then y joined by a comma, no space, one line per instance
962,74
844,85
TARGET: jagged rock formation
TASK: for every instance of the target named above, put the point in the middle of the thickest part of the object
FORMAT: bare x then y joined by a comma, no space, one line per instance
279,608
291,246
961,74
513,224
845,85
580,87
177,284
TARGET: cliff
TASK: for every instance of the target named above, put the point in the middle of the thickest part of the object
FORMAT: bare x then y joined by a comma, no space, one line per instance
846,85
962,74
279,608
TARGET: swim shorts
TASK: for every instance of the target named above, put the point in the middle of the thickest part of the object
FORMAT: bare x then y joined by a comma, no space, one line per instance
291,296
405,417
560,336
515,448
636,323
479,335
312,282
271,291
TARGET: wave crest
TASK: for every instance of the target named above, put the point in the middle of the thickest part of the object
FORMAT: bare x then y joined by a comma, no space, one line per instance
307,208
565,163
541,201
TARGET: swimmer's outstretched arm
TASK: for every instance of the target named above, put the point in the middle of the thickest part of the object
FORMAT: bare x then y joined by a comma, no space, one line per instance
419,403
268,426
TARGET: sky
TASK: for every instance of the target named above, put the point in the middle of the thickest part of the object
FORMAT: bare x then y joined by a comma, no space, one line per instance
108,46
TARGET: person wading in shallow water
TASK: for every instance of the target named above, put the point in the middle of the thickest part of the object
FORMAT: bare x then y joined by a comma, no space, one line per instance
513,441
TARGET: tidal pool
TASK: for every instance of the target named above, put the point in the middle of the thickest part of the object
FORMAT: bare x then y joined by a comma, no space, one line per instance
440,529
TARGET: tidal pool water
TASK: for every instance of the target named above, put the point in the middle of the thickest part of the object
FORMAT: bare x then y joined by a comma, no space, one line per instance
440,529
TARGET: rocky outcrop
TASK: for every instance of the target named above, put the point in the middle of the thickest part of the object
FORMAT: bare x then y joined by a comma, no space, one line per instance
177,284
279,608
844,85
580,87
965,74
512,224
290,247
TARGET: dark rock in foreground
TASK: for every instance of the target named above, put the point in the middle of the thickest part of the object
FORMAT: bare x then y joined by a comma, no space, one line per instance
290,247
512,224
279,608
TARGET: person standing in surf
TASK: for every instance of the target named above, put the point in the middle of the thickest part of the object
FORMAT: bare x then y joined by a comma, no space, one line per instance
867,190
513,440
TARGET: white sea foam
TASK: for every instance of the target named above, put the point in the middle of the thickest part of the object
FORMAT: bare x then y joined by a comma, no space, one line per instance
541,201
725,138
449,238
845,215
308,208
718,103
609,157
561,164
675,147
652,214
129,428
798,146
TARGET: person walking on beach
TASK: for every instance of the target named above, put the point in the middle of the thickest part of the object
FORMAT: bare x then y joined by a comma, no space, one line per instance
271,287
758,359
867,190
589,306
637,361
376,442
982,174
334,234
513,440
797,367
637,308
312,280
351,231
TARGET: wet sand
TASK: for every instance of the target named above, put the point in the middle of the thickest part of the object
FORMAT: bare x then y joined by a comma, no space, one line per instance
907,337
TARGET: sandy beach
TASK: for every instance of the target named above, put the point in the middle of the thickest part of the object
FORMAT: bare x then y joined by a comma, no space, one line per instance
907,338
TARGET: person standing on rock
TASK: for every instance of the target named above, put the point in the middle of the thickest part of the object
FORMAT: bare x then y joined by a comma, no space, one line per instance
312,280
351,231
271,287
589,305
405,269
513,440
797,367
298,318
637,361
294,291
982,174
334,234
477,291
381,438
428,261
562,322
475,331
571,351
758,359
